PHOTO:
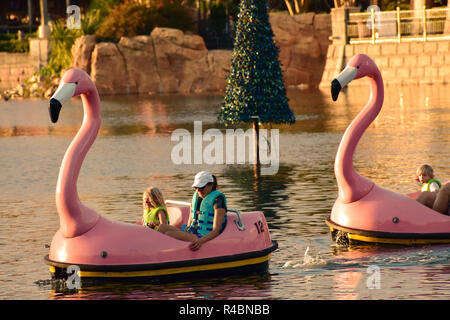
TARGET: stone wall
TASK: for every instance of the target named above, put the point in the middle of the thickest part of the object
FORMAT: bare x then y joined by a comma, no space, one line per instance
16,67
169,61
400,63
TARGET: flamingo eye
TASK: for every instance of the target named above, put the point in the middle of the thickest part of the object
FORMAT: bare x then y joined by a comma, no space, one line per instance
76,82
357,67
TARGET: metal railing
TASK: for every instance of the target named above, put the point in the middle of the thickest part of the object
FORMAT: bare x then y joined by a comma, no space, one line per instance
397,26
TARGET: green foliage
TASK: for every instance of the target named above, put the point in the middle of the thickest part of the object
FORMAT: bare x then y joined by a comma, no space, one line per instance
104,6
255,85
91,21
173,14
110,20
61,41
14,46
63,38
126,19
10,43
131,18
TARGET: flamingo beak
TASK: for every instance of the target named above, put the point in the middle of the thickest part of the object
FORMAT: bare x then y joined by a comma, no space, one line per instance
347,75
64,92
54,109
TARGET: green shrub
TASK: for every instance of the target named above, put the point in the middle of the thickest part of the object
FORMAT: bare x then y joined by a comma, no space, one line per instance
127,19
9,42
14,46
91,20
61,41
8,36
174,15
104,6
131,19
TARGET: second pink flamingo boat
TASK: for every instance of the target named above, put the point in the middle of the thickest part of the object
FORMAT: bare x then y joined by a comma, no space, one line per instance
100,248
363,211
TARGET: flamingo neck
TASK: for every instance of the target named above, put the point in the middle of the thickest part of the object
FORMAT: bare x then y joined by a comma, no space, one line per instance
75,218
352,186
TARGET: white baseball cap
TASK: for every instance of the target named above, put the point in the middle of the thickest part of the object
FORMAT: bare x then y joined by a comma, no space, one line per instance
202,179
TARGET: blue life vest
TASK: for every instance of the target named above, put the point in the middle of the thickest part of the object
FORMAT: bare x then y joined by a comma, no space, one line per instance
203,219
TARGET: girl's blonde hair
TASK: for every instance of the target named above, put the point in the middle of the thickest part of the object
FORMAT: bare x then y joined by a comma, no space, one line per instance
154,196
425,169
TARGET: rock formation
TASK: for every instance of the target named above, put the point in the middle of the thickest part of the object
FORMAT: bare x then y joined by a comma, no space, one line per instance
82,51
170,61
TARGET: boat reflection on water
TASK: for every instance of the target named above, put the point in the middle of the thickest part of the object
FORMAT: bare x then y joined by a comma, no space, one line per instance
345,284
232,287
368,271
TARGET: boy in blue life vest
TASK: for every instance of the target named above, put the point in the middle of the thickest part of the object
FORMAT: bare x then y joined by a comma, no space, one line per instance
155,211
208,213
425,175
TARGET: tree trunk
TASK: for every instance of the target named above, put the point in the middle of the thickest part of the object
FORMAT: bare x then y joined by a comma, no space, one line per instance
297,6
30,14
289,6
44,12
44,29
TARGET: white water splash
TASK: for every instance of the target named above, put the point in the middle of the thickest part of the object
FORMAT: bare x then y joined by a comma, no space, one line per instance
308,260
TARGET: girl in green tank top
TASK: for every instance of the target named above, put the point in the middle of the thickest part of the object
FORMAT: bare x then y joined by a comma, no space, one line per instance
155,211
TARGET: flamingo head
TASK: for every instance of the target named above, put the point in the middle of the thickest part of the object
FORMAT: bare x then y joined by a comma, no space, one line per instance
74,82
359,66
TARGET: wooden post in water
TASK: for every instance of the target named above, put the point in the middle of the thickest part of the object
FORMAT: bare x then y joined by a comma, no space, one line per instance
257,165
255,120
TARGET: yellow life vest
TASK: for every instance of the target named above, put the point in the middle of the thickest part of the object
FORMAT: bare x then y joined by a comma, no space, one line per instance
152,216
426,185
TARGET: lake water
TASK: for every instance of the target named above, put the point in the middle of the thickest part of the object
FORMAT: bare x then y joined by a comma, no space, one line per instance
133,151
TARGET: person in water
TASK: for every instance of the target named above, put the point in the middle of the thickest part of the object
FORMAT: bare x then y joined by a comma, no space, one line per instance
208,213
155,211
433,195
438,201
425,175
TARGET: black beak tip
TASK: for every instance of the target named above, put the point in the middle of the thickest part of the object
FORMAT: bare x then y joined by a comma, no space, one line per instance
54,109
335,89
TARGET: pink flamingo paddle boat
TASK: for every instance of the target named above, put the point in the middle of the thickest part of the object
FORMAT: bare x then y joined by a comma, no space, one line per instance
101,248
363,211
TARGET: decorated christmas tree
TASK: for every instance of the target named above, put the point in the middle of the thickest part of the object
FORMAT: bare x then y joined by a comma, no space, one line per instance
255,88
